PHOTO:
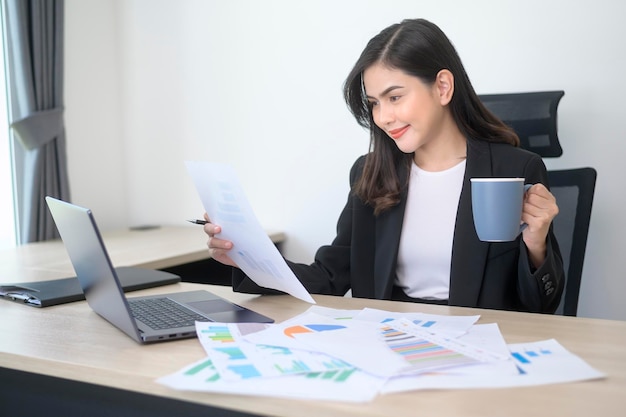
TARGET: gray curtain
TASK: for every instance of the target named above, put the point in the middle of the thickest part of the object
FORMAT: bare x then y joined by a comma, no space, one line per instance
35,55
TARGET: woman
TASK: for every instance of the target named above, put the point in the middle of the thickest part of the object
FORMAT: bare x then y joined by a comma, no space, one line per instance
406,232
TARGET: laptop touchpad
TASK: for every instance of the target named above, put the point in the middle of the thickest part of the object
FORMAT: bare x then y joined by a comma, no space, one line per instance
213,306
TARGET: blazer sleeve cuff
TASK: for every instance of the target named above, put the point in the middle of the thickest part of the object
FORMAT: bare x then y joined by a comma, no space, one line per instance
546,281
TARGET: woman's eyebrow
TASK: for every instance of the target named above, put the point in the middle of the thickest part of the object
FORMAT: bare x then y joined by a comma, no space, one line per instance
386,91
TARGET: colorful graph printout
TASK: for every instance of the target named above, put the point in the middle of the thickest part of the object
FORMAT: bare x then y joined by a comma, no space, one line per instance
538,363
421,353
286,333
236,359
346,385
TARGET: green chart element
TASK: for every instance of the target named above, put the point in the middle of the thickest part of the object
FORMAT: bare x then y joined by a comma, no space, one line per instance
336,376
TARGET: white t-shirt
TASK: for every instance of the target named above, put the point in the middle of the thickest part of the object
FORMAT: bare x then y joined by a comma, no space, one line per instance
425,253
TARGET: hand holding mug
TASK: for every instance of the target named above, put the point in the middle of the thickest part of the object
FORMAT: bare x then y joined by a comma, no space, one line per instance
504,207
539,210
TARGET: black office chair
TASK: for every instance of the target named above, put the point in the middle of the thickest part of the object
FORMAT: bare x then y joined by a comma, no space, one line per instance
532,116
573,189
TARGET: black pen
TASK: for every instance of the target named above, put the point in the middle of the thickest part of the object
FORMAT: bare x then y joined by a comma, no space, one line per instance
196,221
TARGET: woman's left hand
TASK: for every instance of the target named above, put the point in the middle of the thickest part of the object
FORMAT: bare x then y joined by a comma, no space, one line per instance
538,212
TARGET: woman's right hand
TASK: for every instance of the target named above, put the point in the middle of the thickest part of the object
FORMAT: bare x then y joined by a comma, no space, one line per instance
218,248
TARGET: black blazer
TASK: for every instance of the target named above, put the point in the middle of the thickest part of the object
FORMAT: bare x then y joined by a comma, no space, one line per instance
363,255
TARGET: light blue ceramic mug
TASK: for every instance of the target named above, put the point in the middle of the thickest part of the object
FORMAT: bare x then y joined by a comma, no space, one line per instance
497,208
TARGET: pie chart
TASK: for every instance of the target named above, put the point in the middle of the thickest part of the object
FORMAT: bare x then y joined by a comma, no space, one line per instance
310,328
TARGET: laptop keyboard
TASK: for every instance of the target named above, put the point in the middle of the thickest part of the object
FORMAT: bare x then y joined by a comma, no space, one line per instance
163,313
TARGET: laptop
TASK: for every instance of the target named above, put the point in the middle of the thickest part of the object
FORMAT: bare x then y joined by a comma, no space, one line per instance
145,319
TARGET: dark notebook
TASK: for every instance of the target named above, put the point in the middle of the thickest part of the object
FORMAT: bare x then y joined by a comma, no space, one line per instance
67,290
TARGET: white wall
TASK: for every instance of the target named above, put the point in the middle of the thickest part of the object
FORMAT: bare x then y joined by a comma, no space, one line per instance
93,110
150,83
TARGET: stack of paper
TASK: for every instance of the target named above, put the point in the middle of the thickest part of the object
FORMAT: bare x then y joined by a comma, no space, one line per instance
347,355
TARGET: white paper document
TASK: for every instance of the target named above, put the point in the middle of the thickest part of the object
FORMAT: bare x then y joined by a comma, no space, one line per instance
225,202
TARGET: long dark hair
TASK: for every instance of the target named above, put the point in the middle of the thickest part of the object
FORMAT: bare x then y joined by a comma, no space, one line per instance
419,48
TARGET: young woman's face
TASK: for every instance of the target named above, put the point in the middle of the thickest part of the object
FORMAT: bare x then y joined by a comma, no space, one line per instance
408,110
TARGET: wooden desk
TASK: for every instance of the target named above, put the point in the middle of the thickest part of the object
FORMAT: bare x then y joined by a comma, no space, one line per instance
72,343
158,248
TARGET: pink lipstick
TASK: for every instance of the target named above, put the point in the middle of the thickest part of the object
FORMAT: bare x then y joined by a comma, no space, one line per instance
396,133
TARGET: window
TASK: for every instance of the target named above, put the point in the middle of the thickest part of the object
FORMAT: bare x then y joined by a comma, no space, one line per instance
7,210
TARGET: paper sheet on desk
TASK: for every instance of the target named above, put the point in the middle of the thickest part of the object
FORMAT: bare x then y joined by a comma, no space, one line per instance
226,204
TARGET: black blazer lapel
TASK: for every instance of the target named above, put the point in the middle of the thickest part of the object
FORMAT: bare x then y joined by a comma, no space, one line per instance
388,231
469,254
